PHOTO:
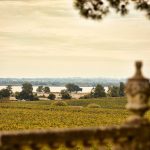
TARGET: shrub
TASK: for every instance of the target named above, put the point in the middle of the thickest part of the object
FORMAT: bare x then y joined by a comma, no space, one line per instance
35,98
59,103
93,105
87,96
65,94
51,96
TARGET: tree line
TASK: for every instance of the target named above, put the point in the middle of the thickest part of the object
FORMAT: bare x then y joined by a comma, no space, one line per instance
28,94
113,91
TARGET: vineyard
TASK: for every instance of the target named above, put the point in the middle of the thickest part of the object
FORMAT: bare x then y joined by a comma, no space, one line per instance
42,114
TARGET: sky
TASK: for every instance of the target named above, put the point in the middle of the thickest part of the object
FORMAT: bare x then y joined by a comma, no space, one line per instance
48,38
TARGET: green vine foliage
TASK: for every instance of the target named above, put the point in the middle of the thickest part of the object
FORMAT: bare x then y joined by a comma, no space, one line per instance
97,9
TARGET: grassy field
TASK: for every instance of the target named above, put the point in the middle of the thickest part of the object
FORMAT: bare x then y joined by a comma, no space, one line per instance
41,114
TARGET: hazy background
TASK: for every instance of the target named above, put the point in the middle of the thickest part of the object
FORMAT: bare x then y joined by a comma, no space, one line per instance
47,38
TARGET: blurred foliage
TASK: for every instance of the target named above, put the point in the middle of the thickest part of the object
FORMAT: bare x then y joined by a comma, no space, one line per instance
97,9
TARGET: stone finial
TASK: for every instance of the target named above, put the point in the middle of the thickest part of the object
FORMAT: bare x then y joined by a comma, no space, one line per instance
138,73
138,92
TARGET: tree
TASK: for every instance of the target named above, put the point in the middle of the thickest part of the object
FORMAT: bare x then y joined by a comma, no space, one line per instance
4,93
26,93
98,91
39,89
46,89
65,94
27,87
51,96
113,91
121,89
73,88
9,88
97,9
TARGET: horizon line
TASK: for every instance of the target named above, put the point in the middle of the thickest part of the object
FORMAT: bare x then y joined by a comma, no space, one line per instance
61,77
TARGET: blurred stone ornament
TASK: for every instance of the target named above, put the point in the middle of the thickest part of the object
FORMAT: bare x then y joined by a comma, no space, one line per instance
138,92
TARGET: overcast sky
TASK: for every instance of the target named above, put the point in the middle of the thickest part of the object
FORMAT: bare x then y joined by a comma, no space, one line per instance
47,38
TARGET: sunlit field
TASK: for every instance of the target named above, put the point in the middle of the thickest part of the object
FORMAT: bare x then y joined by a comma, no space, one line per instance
42,114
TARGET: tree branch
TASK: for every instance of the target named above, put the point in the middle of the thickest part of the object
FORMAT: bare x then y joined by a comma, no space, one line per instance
97,9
